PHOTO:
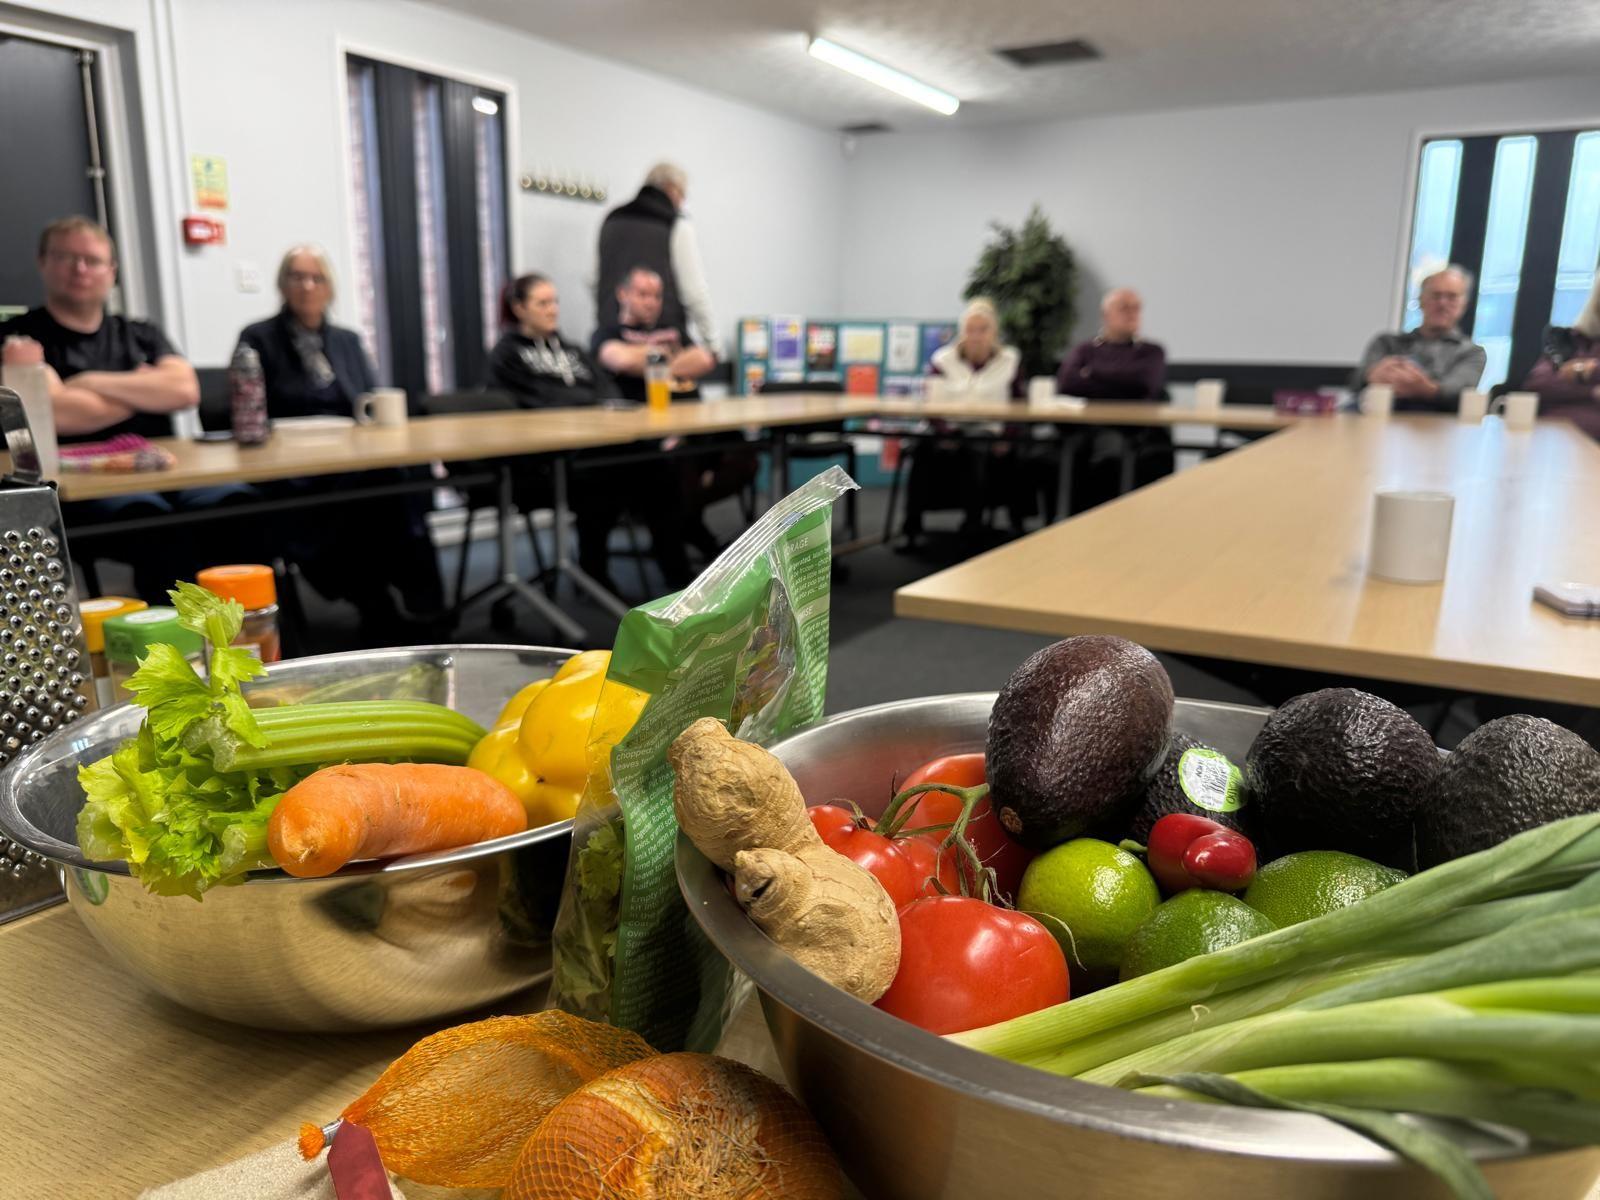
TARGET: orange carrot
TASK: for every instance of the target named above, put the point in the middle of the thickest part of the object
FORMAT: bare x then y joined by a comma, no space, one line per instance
378,810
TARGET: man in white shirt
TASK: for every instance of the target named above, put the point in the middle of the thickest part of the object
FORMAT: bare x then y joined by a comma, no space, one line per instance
651,231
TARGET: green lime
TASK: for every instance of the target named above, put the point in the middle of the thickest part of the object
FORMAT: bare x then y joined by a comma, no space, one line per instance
1192,923
1092,896
1298,887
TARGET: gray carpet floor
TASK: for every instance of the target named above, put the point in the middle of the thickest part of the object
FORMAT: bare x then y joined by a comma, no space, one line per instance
874,655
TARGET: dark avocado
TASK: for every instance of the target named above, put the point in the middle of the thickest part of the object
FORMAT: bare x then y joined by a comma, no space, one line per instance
1075,734
1203,788
1339,769
1512,774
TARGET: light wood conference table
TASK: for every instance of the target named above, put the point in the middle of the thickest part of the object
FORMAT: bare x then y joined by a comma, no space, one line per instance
550,431
1260,557
447,439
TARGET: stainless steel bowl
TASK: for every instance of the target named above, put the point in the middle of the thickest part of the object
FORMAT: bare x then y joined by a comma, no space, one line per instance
372,946
913,1116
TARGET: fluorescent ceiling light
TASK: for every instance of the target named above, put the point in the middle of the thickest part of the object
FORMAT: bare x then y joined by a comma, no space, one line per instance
888,78
485,105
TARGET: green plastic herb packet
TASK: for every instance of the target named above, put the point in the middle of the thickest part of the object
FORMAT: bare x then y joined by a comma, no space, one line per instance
747,643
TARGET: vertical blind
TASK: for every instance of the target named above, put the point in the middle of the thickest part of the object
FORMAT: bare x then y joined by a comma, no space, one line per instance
1522,212
432,251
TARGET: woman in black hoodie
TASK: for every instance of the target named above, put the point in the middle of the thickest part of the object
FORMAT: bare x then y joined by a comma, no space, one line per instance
533,362
541,369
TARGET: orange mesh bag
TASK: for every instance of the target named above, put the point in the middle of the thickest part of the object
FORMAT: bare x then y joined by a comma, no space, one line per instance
455,1109
677,1127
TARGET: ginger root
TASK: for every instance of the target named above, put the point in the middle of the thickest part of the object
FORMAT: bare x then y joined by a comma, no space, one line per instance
833,916
732,795
744,811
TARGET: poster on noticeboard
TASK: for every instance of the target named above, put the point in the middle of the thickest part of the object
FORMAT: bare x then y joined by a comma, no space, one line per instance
788,354
822,348
934,336
861,379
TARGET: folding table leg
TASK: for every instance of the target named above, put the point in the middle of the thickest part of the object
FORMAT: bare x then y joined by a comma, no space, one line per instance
564,561
512,584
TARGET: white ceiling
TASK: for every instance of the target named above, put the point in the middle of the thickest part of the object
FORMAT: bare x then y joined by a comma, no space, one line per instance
1159,54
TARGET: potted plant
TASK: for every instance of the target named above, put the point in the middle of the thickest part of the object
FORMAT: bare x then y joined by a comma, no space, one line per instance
1030,274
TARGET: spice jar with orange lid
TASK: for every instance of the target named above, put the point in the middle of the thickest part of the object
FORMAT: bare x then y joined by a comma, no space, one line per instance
256,588
95,613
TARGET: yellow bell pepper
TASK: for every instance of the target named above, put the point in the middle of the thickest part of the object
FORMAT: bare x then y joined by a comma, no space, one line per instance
538,746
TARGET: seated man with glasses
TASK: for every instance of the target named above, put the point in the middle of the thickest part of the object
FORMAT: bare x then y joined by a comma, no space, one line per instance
109,375
1429,366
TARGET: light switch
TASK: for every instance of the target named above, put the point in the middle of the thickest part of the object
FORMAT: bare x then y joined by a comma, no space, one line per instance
249,277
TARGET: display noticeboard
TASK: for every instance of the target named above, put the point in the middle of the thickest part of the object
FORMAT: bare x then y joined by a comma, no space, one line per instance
861,357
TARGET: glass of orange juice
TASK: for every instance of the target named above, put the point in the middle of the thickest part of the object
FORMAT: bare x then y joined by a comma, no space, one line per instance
657,384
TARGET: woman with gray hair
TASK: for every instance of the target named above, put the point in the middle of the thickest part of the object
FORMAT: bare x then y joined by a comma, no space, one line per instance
377,553
311,366
1567,375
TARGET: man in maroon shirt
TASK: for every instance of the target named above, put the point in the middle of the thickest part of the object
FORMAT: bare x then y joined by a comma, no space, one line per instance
1115,364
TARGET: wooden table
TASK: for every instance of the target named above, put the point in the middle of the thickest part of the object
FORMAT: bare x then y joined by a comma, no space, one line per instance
1260,557
546,431
358,448
109,1090
1108,413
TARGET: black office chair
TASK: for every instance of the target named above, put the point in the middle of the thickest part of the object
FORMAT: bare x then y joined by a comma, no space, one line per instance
820,443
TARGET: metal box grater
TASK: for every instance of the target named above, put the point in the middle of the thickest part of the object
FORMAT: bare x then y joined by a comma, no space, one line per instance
43,666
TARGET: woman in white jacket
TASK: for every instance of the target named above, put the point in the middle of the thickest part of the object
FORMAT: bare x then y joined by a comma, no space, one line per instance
977,361
977,365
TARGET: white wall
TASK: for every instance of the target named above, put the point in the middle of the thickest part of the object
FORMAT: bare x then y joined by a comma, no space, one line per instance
1261,233
260,85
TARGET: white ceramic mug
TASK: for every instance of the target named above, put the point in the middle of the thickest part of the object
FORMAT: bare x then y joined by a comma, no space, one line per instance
1473,407
1521,409
1410,535
382,406
1041,389
1377,400
1208,394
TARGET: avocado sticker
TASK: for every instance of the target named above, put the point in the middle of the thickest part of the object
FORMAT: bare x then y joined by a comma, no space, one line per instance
1210,781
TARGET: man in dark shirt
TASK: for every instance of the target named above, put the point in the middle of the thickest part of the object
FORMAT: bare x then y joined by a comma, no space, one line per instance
108,375
625,347
1430,366
1115,364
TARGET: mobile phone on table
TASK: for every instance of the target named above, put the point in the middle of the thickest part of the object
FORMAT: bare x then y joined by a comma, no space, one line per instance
1570,599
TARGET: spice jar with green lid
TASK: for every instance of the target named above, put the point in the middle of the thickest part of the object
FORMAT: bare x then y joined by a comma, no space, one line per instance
95,613
129,637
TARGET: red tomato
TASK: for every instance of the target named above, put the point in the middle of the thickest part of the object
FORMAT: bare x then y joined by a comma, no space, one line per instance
993,845
900,873
830,819
965,964
927,862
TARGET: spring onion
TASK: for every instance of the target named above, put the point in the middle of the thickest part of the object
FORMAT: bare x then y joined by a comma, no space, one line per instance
1469,991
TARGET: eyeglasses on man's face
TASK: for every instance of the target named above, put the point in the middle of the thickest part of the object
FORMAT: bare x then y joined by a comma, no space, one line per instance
305,279
66,258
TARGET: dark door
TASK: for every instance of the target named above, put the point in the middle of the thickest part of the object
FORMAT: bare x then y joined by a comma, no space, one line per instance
47,167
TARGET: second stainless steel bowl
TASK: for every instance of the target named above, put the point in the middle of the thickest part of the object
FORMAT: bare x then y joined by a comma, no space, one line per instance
375,945
915,1117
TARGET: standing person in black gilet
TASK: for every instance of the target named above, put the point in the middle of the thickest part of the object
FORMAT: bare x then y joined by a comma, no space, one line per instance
651,231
